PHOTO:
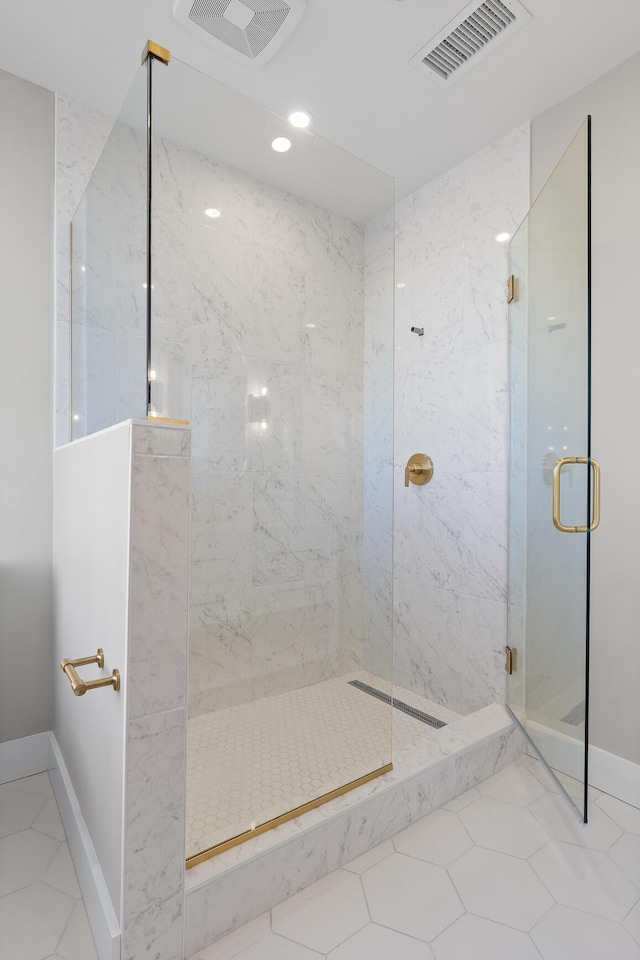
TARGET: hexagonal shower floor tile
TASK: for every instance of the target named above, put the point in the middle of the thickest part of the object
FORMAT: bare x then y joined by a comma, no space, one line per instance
254,762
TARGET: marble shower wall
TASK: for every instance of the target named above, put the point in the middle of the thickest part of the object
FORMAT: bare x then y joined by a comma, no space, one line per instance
259,342
451,401
267,297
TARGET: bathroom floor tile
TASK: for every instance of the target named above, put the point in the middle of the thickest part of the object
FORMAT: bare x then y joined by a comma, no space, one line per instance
566,934
24,858
435,892
626,816
561,822
515,784
439,838
369,859
42,914
626,853
504,827
19,806
324,914
412,896
501,888
481,939
374,942
32,921
584,879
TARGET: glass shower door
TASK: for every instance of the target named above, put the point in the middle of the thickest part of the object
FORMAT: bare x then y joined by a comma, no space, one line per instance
554,483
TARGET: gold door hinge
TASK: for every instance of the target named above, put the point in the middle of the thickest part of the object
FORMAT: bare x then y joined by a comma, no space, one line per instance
512,289
509,660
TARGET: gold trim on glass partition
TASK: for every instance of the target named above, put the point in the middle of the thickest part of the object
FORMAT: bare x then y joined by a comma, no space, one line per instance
595,516
167,420
155,50
296,812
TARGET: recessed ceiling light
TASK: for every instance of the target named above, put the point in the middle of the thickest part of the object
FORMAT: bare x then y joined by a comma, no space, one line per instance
503,237
281,144
300,118
212,212
311,326
400,286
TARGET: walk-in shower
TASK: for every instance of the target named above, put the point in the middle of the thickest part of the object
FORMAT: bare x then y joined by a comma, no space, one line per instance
229,291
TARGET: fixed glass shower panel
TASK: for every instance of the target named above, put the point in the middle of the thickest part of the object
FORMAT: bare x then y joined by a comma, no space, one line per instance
271,340
554,482
108,277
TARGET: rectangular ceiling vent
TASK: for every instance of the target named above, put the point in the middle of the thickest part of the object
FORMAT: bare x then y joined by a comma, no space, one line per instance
468,38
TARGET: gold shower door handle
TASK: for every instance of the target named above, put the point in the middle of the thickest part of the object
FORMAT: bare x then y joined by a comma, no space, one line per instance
595,513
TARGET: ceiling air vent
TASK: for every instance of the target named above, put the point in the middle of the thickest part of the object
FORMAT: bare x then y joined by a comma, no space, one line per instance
469,37
248,30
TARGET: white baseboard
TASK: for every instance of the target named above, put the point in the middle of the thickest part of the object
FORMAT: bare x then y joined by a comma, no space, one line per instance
613,775
24,757
102,917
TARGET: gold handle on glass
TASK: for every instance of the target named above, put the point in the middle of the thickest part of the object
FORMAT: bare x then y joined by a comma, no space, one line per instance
80,686
595,513
419,469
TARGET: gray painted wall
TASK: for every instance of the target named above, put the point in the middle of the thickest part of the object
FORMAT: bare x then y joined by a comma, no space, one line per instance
26,286
612,102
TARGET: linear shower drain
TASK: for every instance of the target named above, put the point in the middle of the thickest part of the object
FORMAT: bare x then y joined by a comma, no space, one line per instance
398,704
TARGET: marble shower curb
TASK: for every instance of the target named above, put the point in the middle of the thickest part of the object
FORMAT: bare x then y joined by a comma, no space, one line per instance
217,904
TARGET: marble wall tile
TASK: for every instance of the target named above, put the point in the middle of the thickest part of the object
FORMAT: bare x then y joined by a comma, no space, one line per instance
451,401
158,583
327,422
153,895
161,440
460,659
155,754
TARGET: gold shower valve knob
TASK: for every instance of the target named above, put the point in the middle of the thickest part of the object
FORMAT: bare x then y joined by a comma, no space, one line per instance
419,469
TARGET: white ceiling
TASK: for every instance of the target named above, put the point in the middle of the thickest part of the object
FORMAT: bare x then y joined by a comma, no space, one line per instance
347,63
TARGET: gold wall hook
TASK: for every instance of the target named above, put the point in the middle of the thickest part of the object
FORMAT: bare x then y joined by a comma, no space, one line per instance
80,686
419,469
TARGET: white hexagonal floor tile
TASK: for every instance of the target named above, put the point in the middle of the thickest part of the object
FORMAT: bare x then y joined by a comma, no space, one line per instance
626,853
514,784
504,827
480,939
412,896
585,879
439,838
324,914
566,934
501,888
458,803
24,858
48,821
374,941
273,947
61,873
19,807
561,822
32,921
76,942
626,816
632,923
369,859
